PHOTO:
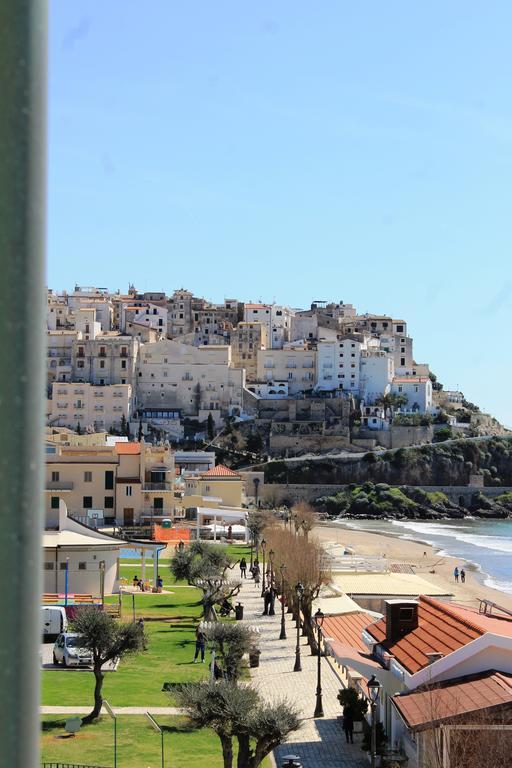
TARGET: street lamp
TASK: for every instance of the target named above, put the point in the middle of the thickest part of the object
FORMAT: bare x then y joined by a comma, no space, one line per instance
299,591
374,691
263,548
271,610
319,710
282,636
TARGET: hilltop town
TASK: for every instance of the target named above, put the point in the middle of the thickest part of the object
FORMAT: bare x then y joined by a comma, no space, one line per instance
291,382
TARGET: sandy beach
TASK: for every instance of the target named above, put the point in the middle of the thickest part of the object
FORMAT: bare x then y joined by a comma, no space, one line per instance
437,570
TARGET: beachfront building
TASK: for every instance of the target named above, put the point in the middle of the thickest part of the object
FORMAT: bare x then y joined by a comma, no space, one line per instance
420,643
126,483
218,485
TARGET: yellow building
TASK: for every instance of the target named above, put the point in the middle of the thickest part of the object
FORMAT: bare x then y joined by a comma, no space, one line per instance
220,486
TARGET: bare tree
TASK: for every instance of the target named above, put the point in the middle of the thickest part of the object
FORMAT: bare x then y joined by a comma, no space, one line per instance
305,517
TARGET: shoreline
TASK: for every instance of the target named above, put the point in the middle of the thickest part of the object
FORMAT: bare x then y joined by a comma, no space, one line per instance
427,560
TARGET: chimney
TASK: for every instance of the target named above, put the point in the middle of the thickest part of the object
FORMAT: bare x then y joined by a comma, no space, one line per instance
401,618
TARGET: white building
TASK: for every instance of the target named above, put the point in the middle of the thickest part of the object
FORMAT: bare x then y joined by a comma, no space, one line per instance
99,408
276,319
377,372
146,314
418,391
269,390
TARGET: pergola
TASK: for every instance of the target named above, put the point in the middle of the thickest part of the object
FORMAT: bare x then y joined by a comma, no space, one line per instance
221,515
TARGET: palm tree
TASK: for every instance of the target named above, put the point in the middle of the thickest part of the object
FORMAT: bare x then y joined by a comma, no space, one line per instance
390,401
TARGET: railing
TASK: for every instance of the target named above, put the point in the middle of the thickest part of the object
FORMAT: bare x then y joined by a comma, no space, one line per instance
69,765
59,485
157,487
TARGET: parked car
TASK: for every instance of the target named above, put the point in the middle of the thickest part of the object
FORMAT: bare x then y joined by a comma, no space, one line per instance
68,651
54,621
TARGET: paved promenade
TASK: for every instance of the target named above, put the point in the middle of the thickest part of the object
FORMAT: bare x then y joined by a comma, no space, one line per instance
319,743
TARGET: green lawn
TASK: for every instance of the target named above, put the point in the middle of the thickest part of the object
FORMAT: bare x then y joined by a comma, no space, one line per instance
138,679
138,744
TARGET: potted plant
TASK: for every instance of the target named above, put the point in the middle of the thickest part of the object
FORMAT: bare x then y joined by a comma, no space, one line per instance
254,656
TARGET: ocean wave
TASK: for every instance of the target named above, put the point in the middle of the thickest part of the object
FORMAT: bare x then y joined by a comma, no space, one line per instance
501,586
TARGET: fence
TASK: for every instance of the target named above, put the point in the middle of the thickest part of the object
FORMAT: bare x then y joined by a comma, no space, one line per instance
69,765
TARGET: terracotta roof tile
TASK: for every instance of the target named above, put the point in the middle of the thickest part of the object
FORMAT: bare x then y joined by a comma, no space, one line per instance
127,449
441,629
347,628
454,698
220,471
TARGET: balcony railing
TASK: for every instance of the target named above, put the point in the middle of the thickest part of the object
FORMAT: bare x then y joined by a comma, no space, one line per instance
59,485
157,487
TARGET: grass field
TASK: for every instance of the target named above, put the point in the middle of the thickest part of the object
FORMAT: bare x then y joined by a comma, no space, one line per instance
138,679
138,744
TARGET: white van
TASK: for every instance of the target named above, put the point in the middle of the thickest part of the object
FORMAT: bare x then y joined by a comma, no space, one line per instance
55,621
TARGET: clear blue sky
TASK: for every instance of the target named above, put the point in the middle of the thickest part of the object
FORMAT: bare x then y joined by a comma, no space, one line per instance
294,151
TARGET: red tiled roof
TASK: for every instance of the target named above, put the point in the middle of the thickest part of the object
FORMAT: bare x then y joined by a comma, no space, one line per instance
441,629
220,471
454,698
347,628
127,449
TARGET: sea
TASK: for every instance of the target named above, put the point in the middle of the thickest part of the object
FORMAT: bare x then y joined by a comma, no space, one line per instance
485,546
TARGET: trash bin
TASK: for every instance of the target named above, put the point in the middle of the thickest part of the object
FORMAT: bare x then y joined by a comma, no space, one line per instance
239,611
291,761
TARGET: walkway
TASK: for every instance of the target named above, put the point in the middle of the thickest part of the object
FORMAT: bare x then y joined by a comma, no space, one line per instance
319,743
50,710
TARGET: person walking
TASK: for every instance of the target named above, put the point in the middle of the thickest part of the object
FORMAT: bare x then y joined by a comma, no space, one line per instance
200,644
456,574
348,724
256,573
243,568
463,575
267,601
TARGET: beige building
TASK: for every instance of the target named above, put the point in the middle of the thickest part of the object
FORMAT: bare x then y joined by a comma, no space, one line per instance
219,486
126,483
295,364
246,340
99,408
195,380
108,359
59,355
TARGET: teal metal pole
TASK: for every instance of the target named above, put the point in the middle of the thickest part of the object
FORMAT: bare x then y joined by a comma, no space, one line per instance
23,43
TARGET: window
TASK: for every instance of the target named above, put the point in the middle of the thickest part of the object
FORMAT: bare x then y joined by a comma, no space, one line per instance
80,364
158,503
400,388
123,363
102,363
400,329
55,477
109,480
402,361
62,566
55,502
109,502
87,477
48,566
87,502
128,490
82,566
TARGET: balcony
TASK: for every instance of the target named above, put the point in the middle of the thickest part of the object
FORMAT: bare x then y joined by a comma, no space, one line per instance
59,485
157,487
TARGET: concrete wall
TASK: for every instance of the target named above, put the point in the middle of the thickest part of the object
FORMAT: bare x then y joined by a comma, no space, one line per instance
294,445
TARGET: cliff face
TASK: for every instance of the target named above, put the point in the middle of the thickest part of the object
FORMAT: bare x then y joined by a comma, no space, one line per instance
442,464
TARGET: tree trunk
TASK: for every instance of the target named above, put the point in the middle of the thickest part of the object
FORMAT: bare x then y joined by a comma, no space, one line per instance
308,622
244,751
227,750
98,700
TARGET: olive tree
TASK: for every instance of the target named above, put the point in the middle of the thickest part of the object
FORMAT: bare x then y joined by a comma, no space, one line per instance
233,711
108,640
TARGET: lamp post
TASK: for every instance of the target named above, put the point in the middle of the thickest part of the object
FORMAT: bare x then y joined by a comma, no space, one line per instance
282,636
319,710
66,582
374,691
299,591
263,548
271,610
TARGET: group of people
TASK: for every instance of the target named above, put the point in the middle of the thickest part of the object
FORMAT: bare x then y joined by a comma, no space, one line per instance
139,584
461,573
254,570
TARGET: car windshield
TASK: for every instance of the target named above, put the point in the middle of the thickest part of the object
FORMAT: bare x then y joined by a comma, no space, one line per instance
73,642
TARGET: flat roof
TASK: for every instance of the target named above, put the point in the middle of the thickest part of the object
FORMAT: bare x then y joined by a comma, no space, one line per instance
400,584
